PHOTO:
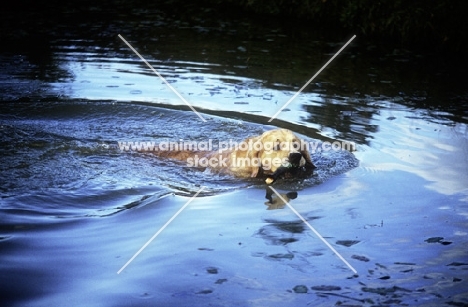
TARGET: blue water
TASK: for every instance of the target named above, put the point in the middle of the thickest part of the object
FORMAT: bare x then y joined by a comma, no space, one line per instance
75,208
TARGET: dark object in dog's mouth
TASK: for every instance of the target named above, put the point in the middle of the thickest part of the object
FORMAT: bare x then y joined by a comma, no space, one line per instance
292,168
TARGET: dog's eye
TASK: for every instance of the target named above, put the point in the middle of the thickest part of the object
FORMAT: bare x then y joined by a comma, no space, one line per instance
296,146
277,145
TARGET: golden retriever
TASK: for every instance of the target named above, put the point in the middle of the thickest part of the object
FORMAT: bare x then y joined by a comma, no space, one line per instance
273,154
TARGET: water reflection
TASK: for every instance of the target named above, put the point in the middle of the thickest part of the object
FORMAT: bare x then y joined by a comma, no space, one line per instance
351,119
205,90
276,202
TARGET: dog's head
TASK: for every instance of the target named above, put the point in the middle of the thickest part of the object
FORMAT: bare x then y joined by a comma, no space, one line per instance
277,148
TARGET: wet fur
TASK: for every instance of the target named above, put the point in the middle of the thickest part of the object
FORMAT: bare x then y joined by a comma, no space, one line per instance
230,156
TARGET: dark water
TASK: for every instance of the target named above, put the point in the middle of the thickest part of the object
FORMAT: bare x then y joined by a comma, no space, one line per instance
74,207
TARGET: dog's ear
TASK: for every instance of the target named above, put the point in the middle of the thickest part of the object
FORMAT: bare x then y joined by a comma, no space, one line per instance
305,153
254,154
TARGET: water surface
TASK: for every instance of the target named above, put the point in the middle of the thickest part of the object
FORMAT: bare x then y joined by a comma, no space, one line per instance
75,208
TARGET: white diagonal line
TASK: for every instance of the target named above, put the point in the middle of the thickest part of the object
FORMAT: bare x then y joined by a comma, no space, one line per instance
313,229
308,82
160,230
162,78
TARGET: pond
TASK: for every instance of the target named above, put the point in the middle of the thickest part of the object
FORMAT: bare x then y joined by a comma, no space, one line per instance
84,221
